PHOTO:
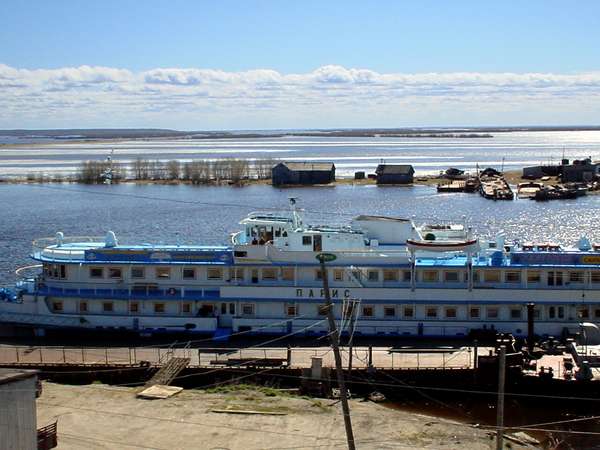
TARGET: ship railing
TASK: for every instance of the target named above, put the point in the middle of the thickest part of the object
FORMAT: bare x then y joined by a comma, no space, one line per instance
363,357
28,273
131,293
52,247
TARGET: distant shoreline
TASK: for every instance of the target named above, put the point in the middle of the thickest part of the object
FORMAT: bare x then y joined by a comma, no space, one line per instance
95,135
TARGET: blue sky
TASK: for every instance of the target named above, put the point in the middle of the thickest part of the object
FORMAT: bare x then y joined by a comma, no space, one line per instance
44,45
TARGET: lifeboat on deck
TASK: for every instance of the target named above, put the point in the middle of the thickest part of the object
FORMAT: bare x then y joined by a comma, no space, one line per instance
442,246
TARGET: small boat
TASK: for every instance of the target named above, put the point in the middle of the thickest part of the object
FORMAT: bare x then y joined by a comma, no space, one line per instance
528,189
442,246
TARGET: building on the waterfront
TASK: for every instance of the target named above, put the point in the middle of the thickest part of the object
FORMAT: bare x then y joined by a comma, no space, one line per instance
395,173
584,170
17,409
303,173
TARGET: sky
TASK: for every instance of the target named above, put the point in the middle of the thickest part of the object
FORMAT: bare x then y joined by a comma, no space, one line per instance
298,64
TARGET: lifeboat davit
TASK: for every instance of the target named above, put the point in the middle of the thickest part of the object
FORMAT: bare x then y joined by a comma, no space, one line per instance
442,246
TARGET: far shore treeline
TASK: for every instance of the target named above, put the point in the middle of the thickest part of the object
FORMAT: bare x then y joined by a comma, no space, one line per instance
199,171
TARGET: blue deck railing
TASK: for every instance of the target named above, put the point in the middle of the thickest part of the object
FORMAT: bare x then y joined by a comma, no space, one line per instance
165,294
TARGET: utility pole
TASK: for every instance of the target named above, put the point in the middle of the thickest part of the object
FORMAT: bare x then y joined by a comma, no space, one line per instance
500,407
353,314
335,345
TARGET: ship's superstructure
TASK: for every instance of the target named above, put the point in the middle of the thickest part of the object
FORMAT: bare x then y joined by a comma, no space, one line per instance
395,277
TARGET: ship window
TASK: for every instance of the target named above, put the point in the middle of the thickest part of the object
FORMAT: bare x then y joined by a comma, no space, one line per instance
430,276
163,272
115,272
214,273
186,308
475,276
107,307
232,308
552,312
159,308
83,307
537,313
291,310
431,312
390,275
515,313
338,275
406,275
561,312
491,276
287,274
306,240
555,278
576,277
373,275
318,275
583,312
367,311
533,277
63,271
322,310
512,277
57,306
134,307
240,254
96,272
189,273
389,311
474,313
451,277
269,274
236,273
595,277
492,313
450,313
137,272
248,309
597,313
409,311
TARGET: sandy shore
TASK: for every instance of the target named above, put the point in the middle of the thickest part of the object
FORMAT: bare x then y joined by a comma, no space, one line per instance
102,417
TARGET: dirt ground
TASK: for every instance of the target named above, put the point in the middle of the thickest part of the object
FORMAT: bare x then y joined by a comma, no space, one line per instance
105,417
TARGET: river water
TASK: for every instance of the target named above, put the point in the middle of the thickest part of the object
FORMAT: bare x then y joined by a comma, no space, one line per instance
427,155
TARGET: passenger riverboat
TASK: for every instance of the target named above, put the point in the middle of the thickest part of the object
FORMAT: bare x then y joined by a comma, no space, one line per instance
394,277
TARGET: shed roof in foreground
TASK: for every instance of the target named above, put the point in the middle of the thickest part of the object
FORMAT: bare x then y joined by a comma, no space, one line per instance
12,375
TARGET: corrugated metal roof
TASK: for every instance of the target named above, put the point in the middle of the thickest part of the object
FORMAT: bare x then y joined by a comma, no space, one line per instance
399,169
309,165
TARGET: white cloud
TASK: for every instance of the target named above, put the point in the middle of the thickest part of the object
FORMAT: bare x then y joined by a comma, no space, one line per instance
328,96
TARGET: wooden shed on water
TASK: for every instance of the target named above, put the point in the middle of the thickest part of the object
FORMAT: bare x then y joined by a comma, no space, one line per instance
304,173
395,174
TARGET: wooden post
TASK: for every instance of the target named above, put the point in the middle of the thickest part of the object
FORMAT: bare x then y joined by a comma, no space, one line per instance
82,356
475,353
335,340
370,356
289,356
500,408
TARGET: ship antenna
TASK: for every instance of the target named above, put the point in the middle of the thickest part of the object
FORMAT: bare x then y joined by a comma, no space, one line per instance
297,221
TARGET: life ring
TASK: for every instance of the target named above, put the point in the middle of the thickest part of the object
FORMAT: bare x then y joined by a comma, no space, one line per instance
171,291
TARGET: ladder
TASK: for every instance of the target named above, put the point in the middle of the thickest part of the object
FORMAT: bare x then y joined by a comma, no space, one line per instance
169,371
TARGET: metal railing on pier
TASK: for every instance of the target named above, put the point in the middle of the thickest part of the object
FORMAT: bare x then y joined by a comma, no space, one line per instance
296,357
